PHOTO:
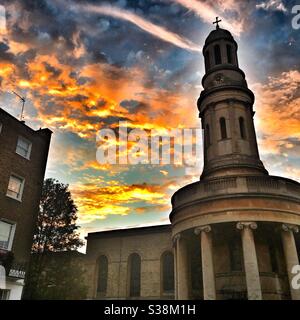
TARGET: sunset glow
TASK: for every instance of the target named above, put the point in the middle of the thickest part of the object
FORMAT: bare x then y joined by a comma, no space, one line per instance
83,70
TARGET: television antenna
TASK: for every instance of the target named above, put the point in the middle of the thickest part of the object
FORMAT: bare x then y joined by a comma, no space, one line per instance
23,100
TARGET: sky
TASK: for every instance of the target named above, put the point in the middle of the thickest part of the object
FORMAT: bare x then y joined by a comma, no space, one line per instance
86,65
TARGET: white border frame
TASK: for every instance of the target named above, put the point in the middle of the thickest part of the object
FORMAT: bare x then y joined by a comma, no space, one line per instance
29,150
12,235
21,190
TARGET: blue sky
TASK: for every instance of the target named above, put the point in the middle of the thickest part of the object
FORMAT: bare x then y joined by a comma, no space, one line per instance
85,65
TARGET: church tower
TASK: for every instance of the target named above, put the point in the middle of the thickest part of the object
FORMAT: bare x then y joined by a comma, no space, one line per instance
226,111
235,231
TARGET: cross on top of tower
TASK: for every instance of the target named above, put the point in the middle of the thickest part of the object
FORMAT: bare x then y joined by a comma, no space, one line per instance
217,22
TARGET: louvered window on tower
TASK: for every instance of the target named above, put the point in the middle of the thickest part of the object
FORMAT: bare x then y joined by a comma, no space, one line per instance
217,52
223,128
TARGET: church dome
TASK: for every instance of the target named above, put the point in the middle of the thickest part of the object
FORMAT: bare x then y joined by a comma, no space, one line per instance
218,34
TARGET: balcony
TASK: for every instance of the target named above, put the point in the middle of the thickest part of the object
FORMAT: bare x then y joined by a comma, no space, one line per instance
236,186
14,269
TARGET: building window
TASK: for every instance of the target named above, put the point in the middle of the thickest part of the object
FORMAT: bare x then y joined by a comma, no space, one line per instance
4,294
134,264
236,256
207,60
223,128
242,127
15,187
207,135
23,147
229,53
217,52
102,275
7,231
167,273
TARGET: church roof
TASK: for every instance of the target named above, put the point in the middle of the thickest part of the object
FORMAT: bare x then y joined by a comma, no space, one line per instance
130,231
218,34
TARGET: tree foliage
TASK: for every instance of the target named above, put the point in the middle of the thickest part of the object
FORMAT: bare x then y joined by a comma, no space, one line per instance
56,228
62,277
55,271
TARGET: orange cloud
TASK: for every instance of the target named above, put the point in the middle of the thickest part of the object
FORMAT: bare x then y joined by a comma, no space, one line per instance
96,202
278,110
64,104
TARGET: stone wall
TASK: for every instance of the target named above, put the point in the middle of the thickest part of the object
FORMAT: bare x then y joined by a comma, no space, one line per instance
149,243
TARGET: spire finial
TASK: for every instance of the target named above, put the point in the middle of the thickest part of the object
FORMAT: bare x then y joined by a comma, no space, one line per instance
217,22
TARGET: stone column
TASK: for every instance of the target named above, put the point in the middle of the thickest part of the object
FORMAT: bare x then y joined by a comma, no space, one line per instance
250,260
208,274
175,267
181,268
290,253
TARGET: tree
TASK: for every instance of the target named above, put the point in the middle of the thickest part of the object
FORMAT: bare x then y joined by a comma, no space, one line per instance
56,225
55,239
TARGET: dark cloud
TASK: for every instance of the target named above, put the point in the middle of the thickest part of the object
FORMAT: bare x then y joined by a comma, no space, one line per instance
77,98
80,80
44,25
54,71
21,61
101,65
100,105
276,46
134,105
5,54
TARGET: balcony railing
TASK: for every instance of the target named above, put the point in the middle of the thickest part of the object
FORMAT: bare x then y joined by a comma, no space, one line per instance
231,186
14,269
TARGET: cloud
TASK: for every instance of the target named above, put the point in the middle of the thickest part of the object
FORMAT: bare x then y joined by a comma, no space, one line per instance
272,5
164,172
97,202
278,110
82,71
208,13
145,25
2,20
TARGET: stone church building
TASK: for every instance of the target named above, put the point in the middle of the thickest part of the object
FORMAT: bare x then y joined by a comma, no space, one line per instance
233,234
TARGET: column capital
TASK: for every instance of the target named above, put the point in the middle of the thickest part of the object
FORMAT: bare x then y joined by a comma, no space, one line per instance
290,227
176,238
206,228
246,224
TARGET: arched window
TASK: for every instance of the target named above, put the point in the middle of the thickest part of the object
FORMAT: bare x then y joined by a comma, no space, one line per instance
207,60
229,53
236,255
207,135
102,275
134,264
167,270
217,52
223,128
242,127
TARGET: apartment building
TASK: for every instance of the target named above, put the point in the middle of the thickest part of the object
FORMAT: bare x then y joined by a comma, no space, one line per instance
23,158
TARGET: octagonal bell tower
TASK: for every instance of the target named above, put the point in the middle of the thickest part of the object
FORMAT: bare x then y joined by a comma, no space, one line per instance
226,111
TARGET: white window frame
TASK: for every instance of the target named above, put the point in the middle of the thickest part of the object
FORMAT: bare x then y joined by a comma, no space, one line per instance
11,236
21,189
29,149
